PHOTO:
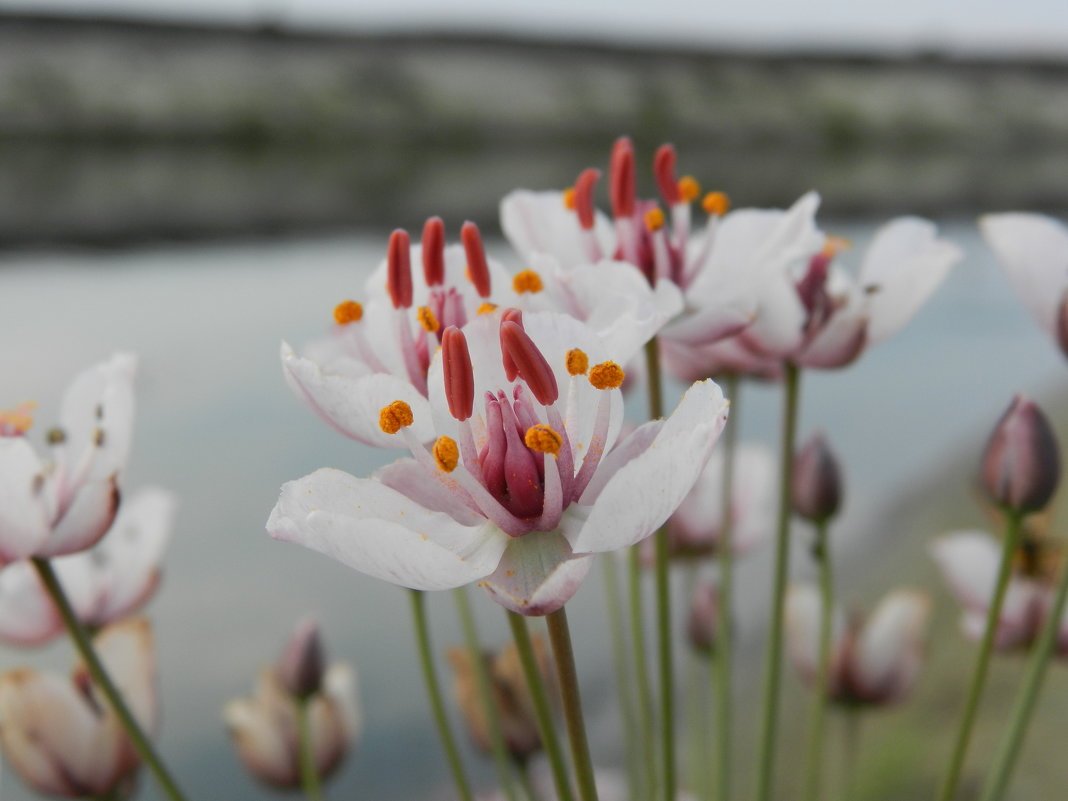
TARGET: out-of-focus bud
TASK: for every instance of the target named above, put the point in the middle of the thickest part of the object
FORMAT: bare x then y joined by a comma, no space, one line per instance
1021,464
515,708
265,729
703,624
62,737
817,488
302,663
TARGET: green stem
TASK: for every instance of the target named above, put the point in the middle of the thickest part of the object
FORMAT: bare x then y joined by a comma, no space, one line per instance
536,685
850,752
641,672
484,687
722,655
663,600
100,677
818,715
998,779
1012,535
309,774
766,771
623,677
567,676
433,688
522,768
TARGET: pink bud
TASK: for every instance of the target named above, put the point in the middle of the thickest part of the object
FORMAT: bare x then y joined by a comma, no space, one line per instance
817,486
1021,465
302,663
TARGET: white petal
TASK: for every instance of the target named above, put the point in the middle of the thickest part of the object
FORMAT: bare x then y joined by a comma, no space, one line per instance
340,685
101,399
539,222
126,649
886,657
537,575
803,610
27,614
87,519
646,490
840,342
24,514
381,532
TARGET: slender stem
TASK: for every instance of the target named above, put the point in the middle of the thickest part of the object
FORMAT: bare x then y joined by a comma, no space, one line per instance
536,685
484,688
773,669
100,677
850,752
309,774
998,779
818,715
1012,535
641,673
433,688
567,676
663,600
723,655
623,677
522,768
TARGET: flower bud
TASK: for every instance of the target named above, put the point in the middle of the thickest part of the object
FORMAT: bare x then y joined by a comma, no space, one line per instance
1021,464
704,618
302,663
817,486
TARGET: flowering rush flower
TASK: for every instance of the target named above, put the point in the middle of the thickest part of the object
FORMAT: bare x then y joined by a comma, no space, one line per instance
1033,249
969,561
874,661
66,503
104,584
515,473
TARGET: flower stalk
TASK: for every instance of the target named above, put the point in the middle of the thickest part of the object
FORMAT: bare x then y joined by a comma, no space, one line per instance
567,676
641,671
309,775
631,732
818,715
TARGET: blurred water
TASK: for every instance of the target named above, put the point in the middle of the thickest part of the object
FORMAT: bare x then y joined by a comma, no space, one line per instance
217,425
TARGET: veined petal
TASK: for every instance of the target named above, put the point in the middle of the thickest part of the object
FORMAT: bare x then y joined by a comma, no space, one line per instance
383,533
350,404
85,521
886,656
838,344
538,574
97,412
539,222
646,490
24,512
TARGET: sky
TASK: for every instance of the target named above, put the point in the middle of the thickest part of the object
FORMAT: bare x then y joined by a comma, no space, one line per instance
1031,25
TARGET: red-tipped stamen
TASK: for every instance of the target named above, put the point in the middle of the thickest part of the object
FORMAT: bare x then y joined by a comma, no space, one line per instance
477,268
399,274
511,372
459,376
434,251
664,171
621,178
530,363
584,187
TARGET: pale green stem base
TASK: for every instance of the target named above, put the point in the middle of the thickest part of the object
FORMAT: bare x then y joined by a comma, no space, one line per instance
100,677
818,715
567,676
635,779
309,774
433,688
1012,536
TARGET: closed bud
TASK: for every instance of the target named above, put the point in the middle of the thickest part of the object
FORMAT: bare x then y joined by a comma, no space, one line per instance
1021,463
703,624
302,663
817,487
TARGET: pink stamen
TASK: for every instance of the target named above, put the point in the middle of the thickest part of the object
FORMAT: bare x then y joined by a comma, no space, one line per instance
434,251
459,375
622,187
529,363
584,187
476,258
552,504
597,445
412,362
399,274
664,171
452,312
565,459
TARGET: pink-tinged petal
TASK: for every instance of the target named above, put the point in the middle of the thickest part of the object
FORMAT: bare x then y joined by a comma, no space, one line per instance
635,444
97,413
887,655
24,512
351,405
340,686
264,730
539,222
838,344
646,490
904,266
729,355
779,326
803,611
381,532
537,575
127,651
1033,248
86,520
27,614
429,490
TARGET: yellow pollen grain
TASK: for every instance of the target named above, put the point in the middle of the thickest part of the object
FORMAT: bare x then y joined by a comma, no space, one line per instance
527,281
654,219
446,454
607,375
348,311
716,203
18,419
542,439
427,319
577,362
487,307
396,416
689,189
569,198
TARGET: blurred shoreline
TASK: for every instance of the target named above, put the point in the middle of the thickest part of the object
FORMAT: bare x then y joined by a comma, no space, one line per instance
117,131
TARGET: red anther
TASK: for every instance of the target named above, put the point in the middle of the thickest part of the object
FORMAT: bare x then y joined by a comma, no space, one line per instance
434,251
621,179
459,376
399,274
584,186
477,268
530,363
510,316
664,171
